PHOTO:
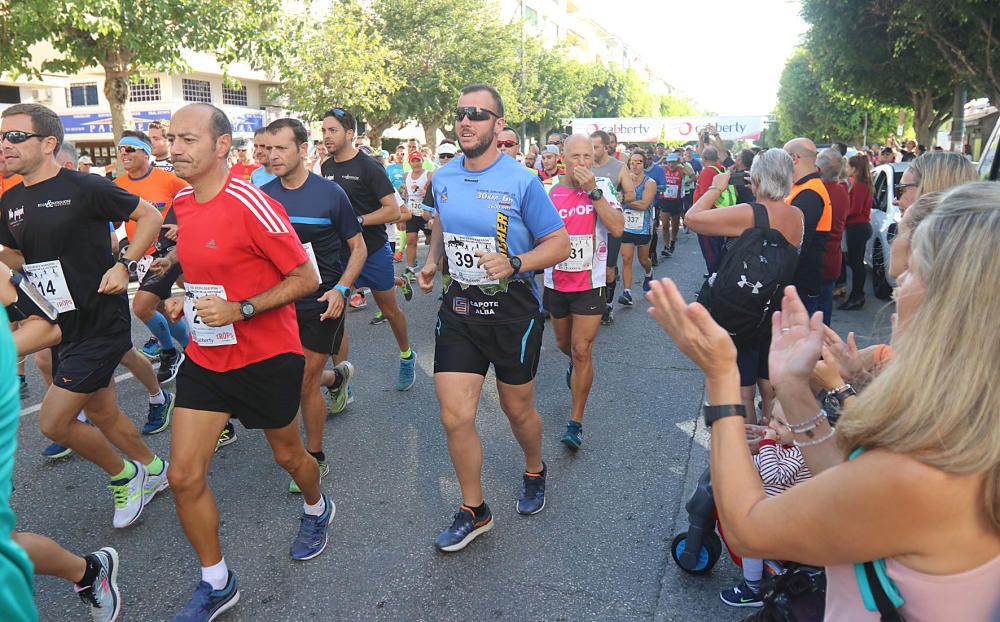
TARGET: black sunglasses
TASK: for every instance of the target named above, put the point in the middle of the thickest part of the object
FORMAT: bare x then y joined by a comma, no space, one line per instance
16,137
446,156
475,113
901,188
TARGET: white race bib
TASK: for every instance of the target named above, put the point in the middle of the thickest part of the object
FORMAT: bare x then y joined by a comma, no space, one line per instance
48,277
463,265
204,335
143,267
415,206
308,246
670,192
581,254
633,219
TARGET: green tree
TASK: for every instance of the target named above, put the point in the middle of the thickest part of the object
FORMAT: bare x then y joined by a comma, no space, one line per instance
673,106
809,106
129,38
860,47
554,88
618,92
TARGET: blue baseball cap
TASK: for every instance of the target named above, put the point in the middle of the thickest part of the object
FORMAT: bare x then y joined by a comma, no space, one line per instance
673,157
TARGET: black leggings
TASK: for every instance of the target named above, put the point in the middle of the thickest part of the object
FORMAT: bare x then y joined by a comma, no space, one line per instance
857,238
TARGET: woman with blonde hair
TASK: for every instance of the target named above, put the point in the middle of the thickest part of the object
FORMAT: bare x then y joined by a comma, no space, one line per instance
916,487
935,171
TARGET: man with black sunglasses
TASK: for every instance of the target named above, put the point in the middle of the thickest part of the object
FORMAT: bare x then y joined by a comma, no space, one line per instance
55,228
496,227
374,201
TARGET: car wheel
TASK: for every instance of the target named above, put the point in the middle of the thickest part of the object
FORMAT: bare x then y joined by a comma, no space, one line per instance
883,291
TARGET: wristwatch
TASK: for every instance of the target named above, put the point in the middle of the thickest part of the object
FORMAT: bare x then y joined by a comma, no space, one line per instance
714,413
247,310
515,262
344,290
130,265
595,194
843,392
361,220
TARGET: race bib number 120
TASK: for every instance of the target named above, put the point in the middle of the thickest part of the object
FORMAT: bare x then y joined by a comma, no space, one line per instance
204,335
50,280
463,265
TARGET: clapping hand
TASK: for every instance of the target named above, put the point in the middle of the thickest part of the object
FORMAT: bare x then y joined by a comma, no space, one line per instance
796,342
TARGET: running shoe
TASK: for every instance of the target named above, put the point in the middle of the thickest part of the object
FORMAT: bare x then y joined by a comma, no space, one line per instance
573,436
159,414
569,376
532,497
155,483
406,289
56,451
324,470
625,298
207,604
128,497
409,273
350,395
673,244
24,387
464,529
645,282
102,595
358,301
665,252
151,349
170,364
407,372
314,532
741,596
337,398
378,319
227,437
608,317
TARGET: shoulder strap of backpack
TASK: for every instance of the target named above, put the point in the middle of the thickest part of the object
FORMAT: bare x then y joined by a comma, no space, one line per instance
887,610
760,218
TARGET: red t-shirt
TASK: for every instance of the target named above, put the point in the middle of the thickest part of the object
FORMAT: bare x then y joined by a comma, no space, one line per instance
242,240
705,178
243,171
839,204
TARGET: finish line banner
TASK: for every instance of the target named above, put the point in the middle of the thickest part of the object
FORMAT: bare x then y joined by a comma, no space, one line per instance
657,129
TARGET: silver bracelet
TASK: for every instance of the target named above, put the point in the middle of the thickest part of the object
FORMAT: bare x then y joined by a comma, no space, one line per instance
807,426
833,431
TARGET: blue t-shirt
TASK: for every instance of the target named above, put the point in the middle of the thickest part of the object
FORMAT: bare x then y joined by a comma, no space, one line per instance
259,177
322,217
396,174
505,202
655,172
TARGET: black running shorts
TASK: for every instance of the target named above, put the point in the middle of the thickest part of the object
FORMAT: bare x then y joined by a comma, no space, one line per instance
161,286
87,366
468,347
560,304
323,336
261,395
417,224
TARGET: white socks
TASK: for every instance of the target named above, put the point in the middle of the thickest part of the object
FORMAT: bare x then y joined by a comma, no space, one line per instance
217,576
159,398
316,509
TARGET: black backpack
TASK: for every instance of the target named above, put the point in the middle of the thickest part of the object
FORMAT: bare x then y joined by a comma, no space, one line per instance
750,280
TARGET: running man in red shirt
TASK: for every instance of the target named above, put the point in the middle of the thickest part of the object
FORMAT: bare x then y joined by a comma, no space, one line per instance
244,266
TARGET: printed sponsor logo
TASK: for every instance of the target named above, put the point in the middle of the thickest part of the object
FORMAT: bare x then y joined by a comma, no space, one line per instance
15,216
502,222
579,210
460,305
50,203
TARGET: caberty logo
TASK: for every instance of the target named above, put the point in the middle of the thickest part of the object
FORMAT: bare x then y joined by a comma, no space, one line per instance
50,203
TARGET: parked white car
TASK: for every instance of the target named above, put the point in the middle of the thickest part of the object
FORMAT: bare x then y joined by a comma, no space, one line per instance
885,221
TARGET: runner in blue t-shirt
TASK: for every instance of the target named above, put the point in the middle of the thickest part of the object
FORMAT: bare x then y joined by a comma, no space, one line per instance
323,218
496,227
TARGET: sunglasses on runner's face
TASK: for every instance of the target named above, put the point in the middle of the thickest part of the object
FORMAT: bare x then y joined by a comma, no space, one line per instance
506,144
127,149
475,113
16,137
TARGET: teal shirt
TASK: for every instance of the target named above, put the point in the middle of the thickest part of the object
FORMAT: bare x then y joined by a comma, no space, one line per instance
16,574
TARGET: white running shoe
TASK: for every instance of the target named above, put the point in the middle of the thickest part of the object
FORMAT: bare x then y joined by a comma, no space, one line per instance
128,497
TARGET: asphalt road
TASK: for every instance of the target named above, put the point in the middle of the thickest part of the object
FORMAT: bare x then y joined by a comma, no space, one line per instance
599,550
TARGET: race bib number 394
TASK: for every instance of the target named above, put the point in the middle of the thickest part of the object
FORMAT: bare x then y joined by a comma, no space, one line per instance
462,261
204,335
50,280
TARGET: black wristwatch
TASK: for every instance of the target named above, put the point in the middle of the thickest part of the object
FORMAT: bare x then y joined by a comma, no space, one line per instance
247,310
714,413
130,264
515,262
841,393
596,194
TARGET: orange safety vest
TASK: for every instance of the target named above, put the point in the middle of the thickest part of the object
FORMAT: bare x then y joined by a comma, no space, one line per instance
816,185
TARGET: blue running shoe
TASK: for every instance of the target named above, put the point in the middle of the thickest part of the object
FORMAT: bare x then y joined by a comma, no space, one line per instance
159,415
532,497
151,349
55,451
465,528
313,533
407,372
573,436
207,604
625,298
645,283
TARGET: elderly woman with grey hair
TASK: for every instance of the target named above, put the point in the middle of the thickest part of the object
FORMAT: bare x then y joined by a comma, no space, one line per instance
771,182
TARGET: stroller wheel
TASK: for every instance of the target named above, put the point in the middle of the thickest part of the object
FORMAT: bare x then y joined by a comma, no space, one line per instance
710,551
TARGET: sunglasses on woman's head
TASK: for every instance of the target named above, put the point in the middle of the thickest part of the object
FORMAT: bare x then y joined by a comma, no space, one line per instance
474,113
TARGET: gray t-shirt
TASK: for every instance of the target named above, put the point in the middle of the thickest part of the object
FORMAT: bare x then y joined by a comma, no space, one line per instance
610,169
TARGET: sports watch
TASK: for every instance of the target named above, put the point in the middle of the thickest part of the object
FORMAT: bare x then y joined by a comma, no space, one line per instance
714,413
596,194
515,262
130,264
344,290
247,310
